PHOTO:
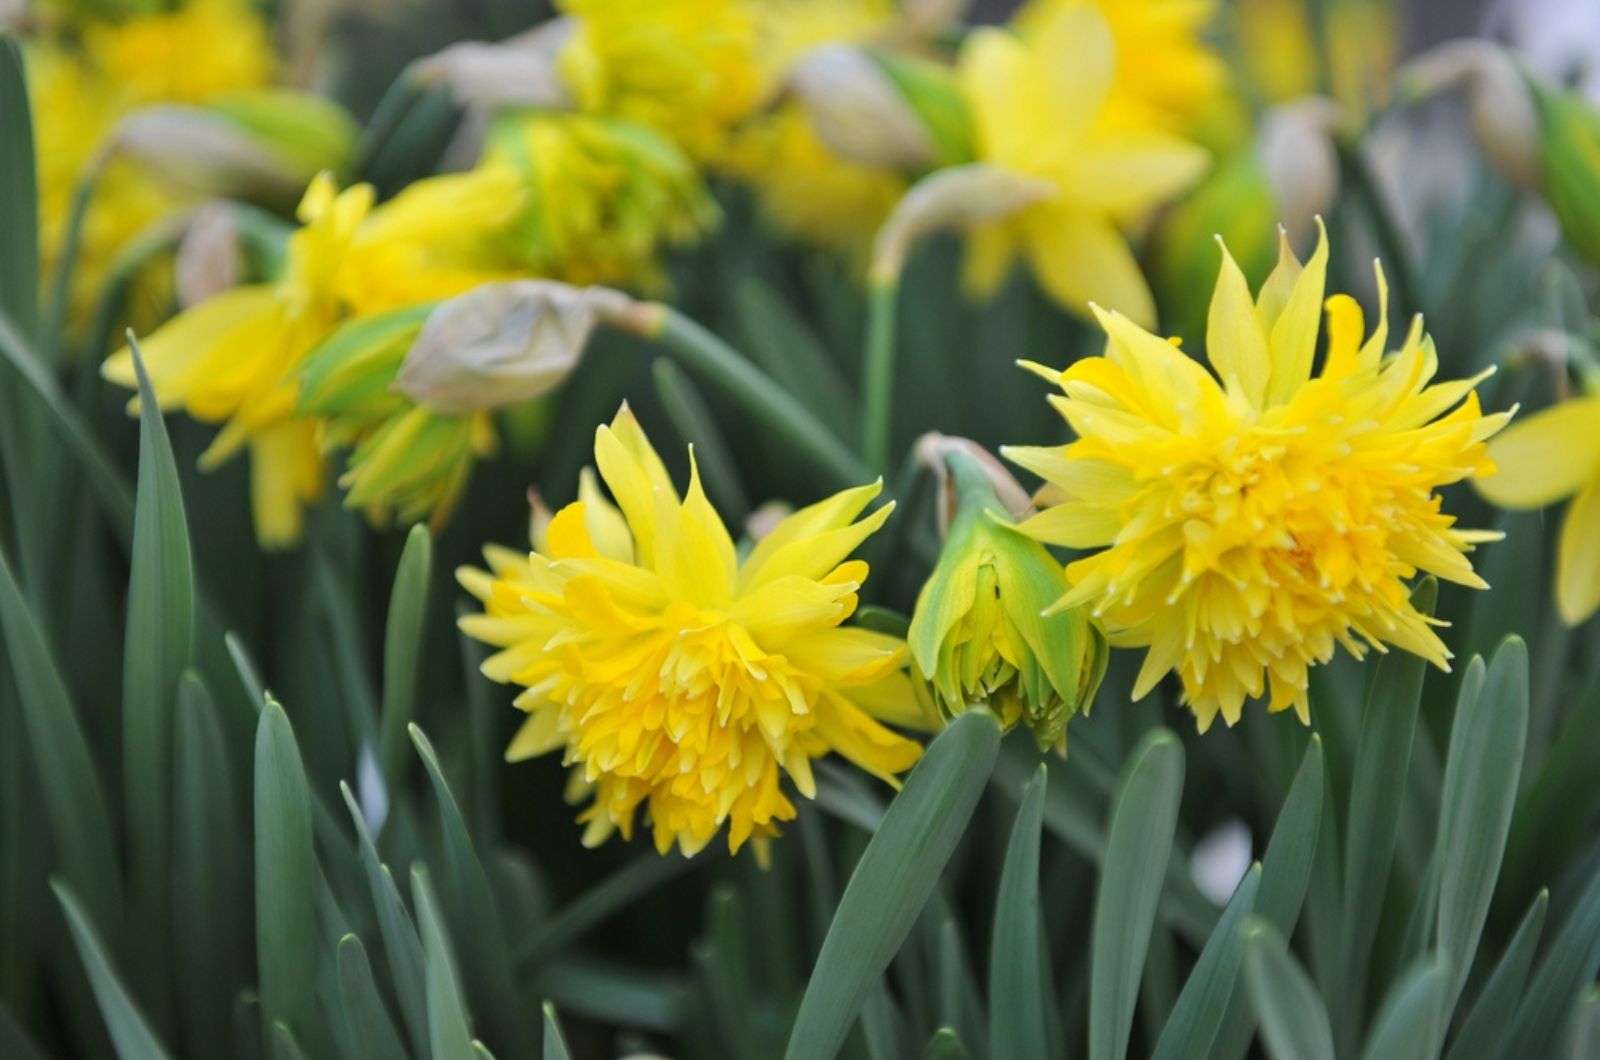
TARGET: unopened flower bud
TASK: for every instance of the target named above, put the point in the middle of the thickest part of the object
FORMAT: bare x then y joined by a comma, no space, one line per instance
504,343
980,634
519,71
1499,102
859,111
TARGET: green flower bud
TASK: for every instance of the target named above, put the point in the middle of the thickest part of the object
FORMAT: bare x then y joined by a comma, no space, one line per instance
980,635
406,462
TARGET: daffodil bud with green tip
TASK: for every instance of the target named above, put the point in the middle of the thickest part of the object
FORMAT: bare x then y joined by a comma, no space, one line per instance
981,635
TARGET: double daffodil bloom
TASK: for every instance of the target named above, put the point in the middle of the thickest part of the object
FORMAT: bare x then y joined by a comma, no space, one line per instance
1245,524
677,677
685,68
1042,106
233,358
606,197
1549,457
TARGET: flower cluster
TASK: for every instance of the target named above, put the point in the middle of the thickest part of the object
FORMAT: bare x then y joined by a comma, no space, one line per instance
1237,519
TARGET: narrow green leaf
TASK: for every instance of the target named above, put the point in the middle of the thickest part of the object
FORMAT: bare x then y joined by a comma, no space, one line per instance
206,885
555,1046
1077,820
1016,998
285,877
249,676
892,881
24,465
598,903
74,799
401,946
1286,868
449,1037
1292,1017
1383,756
945,1045
110,487
1489,1018
159,646
474,913
752,389
1567,967
789,351
1285,879
402,654
1558,808
14,1041
646,1000
1586,1026
284,1045
1138,844
372,1032
130,1031
1410,1024
1480,791
19,202
1209,994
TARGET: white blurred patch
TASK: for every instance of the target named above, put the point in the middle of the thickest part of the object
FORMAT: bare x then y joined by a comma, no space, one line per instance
1220,860
372,795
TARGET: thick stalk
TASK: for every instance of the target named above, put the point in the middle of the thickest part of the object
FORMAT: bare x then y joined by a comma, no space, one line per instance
877,366
771,405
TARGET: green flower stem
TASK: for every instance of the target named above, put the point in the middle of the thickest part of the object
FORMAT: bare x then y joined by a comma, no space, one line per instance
55,321
877,381
701,351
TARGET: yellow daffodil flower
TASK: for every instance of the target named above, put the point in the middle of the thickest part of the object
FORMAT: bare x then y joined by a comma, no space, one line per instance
232,359
1247,523
685,68
1041,106
197,51
675,676
1546,458
1166,74
192,54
